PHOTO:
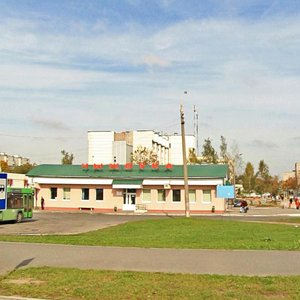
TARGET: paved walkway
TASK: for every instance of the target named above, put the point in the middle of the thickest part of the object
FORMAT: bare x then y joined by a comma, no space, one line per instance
236,262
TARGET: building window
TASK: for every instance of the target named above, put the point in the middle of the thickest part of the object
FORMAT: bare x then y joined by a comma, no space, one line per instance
85,194
176,196
161,197
207,196
99,194
53,192
66,194
192,196
147,195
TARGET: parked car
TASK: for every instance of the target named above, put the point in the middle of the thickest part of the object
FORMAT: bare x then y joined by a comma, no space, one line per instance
237,202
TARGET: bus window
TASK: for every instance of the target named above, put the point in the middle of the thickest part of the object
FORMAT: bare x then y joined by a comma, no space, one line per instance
14,201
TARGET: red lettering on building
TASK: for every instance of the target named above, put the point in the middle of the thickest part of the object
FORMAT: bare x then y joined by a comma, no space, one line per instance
128,166
169,166
114,166
98,166
155,166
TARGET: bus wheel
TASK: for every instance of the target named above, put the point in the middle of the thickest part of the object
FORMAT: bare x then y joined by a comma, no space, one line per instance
19,217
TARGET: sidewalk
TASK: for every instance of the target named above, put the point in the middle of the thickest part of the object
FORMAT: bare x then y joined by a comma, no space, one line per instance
224,262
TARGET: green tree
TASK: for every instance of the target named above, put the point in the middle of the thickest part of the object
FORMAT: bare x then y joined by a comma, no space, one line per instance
263,170
209,154
67,158
263,183
143,155
248,178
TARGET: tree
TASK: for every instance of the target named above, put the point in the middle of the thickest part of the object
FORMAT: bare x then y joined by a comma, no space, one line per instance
4,167
67,158
143,155
289,184
263,183
209,154
232,158
192,158
223,149
249,178
23,169
263,170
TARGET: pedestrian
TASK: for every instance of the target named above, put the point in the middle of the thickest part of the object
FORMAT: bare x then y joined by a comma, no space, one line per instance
297,202
291,202
43,203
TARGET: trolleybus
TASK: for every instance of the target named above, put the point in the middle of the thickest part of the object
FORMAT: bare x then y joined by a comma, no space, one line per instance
16,204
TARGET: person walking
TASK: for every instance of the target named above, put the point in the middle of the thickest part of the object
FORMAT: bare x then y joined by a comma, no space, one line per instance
297,202
42,203
291,202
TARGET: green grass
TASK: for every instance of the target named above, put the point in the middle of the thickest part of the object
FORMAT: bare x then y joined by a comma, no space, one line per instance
61,283
192,233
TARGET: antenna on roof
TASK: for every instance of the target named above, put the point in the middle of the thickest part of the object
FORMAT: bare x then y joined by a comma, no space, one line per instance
196,129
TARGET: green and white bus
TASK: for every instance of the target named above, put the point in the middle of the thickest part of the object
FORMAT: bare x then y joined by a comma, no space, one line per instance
16,204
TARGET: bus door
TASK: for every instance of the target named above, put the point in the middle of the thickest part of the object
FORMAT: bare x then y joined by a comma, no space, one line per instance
28,205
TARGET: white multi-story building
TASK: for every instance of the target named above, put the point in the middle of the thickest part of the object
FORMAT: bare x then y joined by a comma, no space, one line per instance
13,160
109,146
176,157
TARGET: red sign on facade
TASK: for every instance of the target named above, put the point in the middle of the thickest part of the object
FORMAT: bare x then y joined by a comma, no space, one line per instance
169,166
114,166
98,166
155,166
128,166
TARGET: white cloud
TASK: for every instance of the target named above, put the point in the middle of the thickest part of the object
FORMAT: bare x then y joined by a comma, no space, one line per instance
237,71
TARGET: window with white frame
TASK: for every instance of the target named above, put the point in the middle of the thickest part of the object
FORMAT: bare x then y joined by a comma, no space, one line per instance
99,195
206,196
176,195
192,196
66,194
85,194
146,195
161,195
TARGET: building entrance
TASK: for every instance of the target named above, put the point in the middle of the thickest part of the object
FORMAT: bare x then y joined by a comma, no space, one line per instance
129,198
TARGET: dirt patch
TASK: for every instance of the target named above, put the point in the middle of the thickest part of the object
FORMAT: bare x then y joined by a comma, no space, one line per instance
25,281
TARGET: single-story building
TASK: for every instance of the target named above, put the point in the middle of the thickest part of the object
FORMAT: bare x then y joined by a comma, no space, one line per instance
110,188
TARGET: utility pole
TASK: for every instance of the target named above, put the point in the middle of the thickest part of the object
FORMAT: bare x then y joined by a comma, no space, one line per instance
185,173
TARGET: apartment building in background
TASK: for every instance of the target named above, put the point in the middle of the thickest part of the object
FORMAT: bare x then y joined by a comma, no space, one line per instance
297,172
116,147
13,160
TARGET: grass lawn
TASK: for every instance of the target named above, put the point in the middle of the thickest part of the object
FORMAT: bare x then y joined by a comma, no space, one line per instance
61,283
192,233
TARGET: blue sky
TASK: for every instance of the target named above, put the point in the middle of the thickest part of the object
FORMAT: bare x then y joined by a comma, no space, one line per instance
67,67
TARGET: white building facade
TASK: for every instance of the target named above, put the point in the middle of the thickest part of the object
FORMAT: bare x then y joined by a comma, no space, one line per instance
112,147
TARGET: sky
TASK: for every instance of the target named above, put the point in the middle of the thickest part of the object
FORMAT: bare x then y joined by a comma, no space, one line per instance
70,66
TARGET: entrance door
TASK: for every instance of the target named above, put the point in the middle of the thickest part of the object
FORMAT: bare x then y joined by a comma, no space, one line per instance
129,200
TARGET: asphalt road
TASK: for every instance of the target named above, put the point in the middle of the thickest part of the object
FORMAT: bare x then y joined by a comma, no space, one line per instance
235,262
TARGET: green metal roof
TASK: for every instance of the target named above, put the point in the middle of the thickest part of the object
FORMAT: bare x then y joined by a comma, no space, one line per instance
128,181
76,171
